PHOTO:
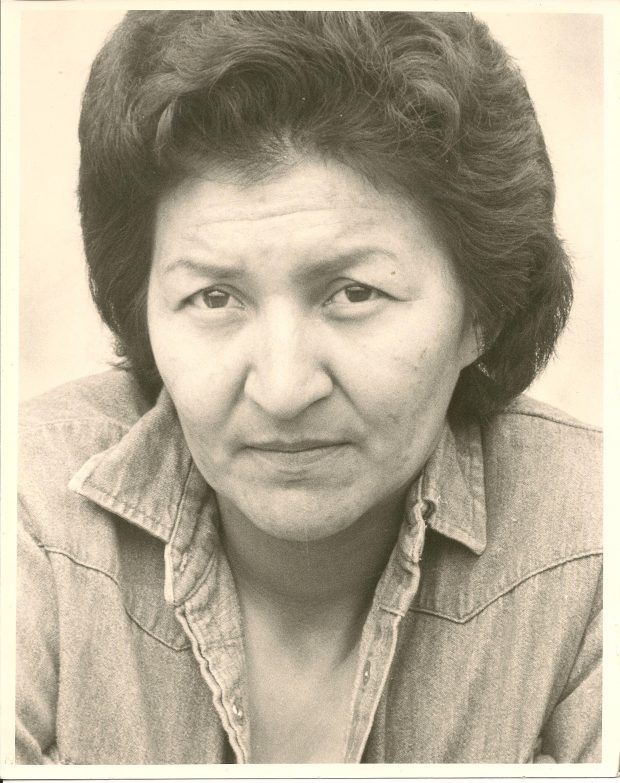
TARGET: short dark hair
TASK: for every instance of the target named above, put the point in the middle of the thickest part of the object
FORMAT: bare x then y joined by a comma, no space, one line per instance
425,103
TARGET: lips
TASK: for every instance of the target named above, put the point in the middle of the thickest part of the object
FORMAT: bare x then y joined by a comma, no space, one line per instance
295,459
294,447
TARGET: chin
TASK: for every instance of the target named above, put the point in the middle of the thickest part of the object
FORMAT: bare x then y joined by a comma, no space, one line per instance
300,533
294,522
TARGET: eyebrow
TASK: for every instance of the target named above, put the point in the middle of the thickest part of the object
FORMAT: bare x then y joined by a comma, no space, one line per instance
204,268
308,272
329,266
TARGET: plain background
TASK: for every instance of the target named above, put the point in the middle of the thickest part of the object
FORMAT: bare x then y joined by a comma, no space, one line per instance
61,337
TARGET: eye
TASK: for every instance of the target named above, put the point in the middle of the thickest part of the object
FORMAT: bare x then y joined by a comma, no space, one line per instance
354,293
215,299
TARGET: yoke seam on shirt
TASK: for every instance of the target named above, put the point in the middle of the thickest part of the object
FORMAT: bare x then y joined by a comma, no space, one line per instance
111,576
26,425
28,531
521,580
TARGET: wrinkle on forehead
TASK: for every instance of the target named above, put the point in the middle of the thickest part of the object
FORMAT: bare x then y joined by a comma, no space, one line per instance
325,204
323,233
227,218
307,186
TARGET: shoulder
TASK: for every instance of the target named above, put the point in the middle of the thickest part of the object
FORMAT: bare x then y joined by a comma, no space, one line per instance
59,431
62,428
542,461
536,478
87,547
543,488
543,420
109,397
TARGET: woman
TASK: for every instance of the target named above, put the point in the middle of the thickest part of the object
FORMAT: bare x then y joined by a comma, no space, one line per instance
312,519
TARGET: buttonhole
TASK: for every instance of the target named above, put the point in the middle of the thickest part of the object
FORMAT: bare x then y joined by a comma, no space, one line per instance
237,710
366,673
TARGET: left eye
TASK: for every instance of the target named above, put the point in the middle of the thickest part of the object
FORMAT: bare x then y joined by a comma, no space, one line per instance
352,294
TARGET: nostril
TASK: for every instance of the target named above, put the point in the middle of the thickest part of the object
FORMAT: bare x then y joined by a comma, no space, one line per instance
286,394
286,372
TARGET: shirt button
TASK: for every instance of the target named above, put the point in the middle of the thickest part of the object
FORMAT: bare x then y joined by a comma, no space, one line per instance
237,710
366,673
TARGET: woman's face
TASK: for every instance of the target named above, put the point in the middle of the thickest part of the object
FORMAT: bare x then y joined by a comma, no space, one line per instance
310,331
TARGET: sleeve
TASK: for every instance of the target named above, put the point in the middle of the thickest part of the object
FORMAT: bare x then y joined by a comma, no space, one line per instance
36,654
573,731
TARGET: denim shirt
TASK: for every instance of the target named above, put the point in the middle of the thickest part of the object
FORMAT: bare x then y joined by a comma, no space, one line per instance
482,644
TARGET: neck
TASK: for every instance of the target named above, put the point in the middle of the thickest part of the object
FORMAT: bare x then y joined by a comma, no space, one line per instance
311,580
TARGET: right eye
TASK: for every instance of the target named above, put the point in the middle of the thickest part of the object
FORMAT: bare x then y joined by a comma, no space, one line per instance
215,299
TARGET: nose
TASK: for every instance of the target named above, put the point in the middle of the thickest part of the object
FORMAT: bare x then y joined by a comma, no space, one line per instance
286,373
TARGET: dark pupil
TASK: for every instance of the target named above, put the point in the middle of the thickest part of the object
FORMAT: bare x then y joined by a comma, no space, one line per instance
357,293
215,299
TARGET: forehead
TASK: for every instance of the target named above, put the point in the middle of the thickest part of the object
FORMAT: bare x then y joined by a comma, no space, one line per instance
308,203
221,195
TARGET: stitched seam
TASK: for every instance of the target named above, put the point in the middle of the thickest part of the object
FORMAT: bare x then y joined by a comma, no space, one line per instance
208,673
448,529
181,503
110,576
23,508
451,530
177,519
127,508
169,552
54,586
510,588
63,422
200,583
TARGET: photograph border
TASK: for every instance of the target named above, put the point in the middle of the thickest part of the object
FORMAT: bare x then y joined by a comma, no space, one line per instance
11,13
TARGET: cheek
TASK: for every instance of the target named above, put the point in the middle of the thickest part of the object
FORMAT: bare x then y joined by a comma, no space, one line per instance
202,393
408,363
407,392
200,378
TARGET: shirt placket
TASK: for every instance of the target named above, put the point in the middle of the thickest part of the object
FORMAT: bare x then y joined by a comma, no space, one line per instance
394,594
217,644
200,584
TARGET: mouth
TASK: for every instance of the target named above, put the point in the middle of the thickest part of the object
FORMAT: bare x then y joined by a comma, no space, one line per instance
296,458
295,447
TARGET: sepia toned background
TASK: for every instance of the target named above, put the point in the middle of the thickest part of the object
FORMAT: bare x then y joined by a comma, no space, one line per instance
61,337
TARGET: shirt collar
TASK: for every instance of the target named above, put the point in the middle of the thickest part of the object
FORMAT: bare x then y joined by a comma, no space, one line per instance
143,477
452,485
148,477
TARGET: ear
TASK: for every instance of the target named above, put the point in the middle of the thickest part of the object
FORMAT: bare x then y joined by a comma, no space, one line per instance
472,342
